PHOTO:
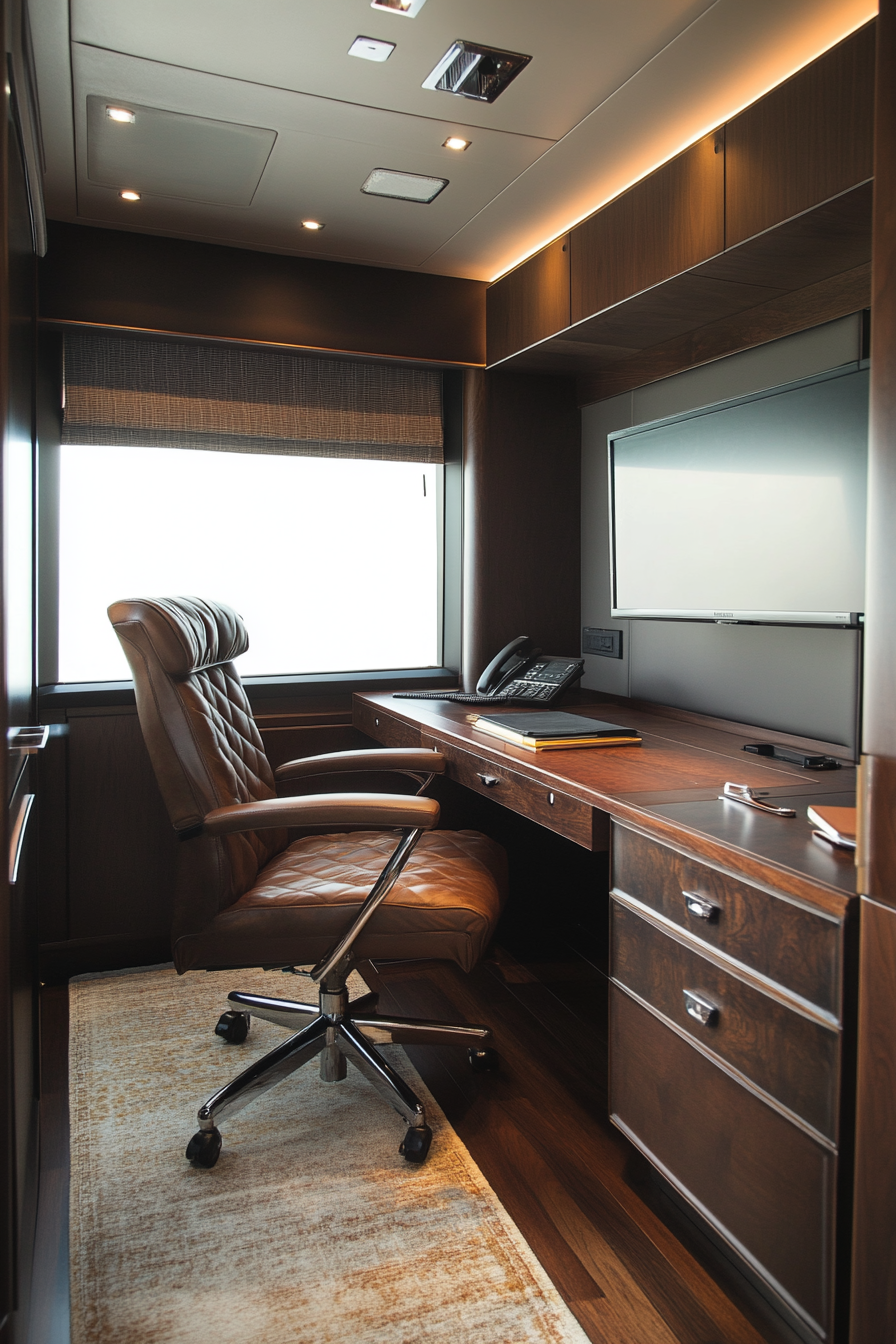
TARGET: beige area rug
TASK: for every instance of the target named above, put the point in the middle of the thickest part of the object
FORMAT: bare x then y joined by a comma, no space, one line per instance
311,1227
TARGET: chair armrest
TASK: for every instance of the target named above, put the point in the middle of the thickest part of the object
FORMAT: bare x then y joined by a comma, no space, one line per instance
379,810
415,760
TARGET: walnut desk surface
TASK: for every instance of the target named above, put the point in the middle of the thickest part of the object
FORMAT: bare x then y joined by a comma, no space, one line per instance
668,787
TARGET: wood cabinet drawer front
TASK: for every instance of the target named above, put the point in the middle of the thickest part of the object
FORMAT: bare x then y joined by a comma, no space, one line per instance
383,728
788,1055
793,946
565,815
762,1181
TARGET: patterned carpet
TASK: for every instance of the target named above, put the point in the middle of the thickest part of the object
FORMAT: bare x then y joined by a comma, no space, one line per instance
310,1228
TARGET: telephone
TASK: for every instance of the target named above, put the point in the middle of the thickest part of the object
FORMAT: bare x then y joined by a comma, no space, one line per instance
517,673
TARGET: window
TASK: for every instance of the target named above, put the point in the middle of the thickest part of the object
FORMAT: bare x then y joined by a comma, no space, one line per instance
334,561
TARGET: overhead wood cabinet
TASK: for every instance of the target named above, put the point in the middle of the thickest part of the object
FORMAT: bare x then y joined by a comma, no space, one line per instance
805,142
759,229
666,224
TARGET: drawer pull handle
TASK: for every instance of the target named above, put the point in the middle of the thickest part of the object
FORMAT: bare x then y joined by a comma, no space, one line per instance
700,1009
699,906
488,780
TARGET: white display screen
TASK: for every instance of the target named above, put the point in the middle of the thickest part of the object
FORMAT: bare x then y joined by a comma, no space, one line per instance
752,510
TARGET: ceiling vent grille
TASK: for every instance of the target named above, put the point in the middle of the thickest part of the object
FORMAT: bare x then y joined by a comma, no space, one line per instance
473,71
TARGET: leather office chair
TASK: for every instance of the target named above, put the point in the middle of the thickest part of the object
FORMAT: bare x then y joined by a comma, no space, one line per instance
247,897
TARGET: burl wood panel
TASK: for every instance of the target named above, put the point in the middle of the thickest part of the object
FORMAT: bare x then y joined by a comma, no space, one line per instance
792,946
764,1182
794,1059
530,303
806,141
665,224
107,278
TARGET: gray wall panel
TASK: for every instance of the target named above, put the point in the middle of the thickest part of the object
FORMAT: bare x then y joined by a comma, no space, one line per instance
793,680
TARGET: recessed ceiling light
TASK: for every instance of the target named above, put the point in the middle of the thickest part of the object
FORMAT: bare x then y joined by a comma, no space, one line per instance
371,49
456,142
404,186
120,114
129,195
313,224
407,7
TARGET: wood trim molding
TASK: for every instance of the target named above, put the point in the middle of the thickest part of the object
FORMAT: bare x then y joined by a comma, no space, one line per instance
782,316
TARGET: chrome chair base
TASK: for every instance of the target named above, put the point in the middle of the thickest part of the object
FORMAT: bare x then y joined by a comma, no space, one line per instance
340,1032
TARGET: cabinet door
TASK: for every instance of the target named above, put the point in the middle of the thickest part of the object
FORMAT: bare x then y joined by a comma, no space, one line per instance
762,1182
806,141
530,303
665,224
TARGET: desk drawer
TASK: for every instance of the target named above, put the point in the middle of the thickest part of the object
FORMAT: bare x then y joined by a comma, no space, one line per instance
381,726
791,1057
556,811
797,948
764,1183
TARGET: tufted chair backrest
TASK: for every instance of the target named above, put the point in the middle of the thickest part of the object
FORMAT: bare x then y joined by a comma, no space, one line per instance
203,742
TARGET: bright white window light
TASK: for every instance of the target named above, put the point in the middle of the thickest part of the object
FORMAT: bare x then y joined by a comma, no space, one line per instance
332,563
371,49
120,114
404,186
409,8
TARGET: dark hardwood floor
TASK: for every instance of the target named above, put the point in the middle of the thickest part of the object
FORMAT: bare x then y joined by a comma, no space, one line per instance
630,1264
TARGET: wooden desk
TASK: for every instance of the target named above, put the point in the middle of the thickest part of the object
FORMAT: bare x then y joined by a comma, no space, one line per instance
730,986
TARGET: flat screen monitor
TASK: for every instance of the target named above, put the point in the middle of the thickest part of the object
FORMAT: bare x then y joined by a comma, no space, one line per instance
749,510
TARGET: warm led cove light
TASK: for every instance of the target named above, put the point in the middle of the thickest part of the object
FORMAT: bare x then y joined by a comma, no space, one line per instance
129,195
455,142
313,224
120,114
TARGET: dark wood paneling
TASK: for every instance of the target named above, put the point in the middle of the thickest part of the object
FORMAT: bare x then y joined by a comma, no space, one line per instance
794,947
108,278
530,303
806,141
769,1186
665,224
782,316
121,846
788,1055
874,1233
874,1282
522,484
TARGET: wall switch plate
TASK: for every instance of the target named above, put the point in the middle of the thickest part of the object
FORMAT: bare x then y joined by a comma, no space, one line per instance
605,643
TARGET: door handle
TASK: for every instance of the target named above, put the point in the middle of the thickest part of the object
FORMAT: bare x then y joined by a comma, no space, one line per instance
17,836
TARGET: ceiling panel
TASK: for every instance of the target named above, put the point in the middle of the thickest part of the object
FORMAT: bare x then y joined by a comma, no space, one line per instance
323,152
581,49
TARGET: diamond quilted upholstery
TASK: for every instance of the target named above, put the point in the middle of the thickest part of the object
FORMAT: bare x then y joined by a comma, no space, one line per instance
445,904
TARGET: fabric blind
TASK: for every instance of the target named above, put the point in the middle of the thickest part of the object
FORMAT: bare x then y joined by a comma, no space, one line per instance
164,394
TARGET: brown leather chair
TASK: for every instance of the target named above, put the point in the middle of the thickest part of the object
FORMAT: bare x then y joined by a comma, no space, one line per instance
387,885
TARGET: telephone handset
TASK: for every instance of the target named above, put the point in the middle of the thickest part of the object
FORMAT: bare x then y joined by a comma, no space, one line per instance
517,673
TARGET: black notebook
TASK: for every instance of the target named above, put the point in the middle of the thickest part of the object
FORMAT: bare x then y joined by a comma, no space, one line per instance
553,724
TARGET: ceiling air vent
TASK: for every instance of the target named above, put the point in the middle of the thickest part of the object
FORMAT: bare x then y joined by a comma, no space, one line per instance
473,71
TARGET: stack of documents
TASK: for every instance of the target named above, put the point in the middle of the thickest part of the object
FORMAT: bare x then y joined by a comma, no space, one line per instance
837,824
553,730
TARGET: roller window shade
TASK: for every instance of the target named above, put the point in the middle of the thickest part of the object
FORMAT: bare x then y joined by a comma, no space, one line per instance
163,394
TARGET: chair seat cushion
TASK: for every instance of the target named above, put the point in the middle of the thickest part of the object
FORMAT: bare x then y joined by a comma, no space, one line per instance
445,904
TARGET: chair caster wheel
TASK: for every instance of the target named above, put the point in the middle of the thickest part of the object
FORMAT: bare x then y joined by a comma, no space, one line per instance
483,1059
415,1144
204,1148
233,1027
